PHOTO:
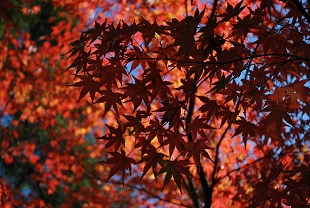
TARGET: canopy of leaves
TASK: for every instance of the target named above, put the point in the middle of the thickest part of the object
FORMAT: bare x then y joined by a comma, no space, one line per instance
196,105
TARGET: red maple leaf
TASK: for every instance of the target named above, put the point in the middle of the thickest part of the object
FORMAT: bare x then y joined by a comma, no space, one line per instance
271,125
152,159
231,11
246,128
155,131
289,95
120,162
137,93
198,126
135,122
110,99
196,150
115,137
228,116
174,140
88,86
174,168
210,106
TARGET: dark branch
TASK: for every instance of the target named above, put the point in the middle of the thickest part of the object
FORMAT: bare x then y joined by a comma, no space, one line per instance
192,192
301,9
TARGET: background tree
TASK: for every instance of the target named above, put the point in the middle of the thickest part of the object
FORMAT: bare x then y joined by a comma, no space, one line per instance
216,98
47,147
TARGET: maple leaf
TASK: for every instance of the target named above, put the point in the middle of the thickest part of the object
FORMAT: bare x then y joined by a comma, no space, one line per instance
244,25
120,162
221,83
93,33
297,189
289,95
198,126
228,116
115,137
82,61
77,47
143,143
149,30
172,112
246,128
174,140
231,11
117,70
196,150
231,92
263,190
271,125
137,93
135,122
110,99
152,159
174,169
156,84
183,32
155,131
88,86
187,87
210,106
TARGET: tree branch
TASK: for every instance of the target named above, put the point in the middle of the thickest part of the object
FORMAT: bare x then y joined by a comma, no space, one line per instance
186,8
297,58
216,160
192,192
301,9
